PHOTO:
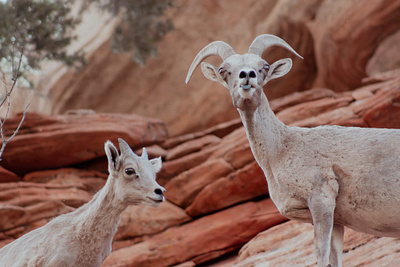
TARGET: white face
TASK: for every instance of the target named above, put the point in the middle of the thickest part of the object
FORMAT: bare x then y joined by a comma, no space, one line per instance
137,182
244,76
135,177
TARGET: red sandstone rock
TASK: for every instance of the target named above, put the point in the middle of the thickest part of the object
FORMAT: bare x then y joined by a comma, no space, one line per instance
91,181
168,235
158,89
292,244
191,146
220,231
137,221
219,130
7,176
344,40
375,105
242,185
382,76
64,140
23,194
12,216
172,168
310,109
183,188
153,151
336,38
296,98
236,139
240,155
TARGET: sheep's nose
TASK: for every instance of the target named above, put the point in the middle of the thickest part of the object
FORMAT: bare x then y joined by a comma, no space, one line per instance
244,74
159,191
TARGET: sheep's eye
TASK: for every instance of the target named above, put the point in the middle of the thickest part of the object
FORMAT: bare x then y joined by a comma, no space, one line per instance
221,71
130,171
266,67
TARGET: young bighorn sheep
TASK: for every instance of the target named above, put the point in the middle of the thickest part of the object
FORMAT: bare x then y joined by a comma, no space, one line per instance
330,176
84,236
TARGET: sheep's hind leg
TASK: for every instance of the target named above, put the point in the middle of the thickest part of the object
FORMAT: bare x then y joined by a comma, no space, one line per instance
322,206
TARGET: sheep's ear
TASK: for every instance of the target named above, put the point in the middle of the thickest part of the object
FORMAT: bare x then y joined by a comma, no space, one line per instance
157,164
278,69
211,73
112,156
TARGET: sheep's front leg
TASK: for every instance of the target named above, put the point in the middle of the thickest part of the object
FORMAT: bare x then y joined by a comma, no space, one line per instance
335,257
322,206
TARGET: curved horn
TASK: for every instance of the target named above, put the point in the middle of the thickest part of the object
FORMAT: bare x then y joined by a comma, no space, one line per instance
217,48
262,42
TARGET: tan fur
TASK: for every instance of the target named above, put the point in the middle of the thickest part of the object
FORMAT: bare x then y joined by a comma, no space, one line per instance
84,236
330,176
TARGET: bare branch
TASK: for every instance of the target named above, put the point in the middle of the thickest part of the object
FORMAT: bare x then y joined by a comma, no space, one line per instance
14,77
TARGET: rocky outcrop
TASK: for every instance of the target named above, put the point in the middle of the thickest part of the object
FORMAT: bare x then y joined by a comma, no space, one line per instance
202,239
291,244
47,142
338,40
217,196
346,35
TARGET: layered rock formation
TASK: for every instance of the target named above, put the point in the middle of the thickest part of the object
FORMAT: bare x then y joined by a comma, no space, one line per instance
217,196
274,248
337,39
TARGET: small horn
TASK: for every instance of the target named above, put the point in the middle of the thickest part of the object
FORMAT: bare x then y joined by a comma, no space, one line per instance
217,48
264,41
124,147
144,154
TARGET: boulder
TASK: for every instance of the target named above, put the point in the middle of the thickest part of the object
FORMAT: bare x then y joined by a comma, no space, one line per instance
47,142
174,167
191,146
372,105
200,240
13,216
306,110
138,221
183,188
341,31
386,56
220,130
243,185
7,176
292,244
24,194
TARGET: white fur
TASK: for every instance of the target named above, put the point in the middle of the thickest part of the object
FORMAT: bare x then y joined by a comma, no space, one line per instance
330,176
84,236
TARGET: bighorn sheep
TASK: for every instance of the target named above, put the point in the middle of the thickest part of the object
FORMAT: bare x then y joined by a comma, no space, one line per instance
84,236
330,176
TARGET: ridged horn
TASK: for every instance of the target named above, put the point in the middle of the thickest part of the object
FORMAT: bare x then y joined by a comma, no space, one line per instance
124,147
264,41
217,48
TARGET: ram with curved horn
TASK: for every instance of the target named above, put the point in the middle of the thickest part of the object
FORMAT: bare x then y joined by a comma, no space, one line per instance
329,176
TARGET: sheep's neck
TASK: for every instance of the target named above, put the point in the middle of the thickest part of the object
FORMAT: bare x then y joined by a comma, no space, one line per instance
99,218
265,133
